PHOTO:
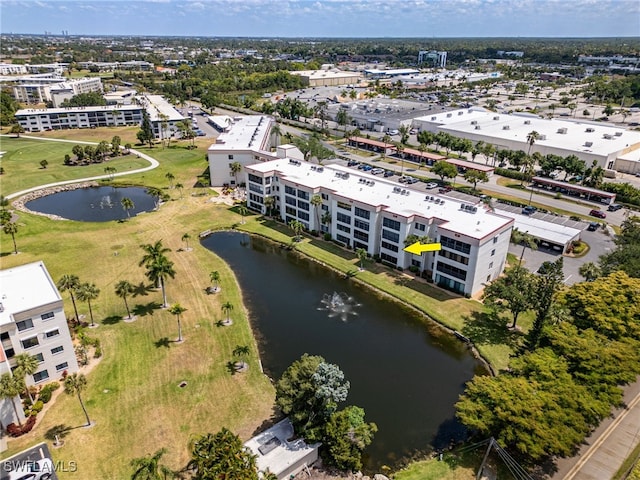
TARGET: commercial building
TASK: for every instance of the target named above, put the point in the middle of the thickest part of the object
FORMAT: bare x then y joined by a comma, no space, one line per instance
364,211
164,118
245,139
380,114
32,321
436,59
589,141
316,78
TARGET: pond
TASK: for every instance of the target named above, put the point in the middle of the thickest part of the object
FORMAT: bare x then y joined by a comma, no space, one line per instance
404,371
93,204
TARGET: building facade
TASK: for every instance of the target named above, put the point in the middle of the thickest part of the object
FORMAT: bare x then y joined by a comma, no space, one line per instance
32,321
359,210
437,59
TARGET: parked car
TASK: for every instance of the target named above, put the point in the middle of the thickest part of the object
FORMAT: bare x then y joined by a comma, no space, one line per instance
529,209
614,207
388,173
593,226
352,163
412,180
377,171
445,189
598,213
393,132
431,185
367,168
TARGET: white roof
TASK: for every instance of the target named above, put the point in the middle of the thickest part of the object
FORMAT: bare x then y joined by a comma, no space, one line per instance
315,74
396,71
247,132
393,197
158,105
49,111
547,231
25,287
279,453
589,137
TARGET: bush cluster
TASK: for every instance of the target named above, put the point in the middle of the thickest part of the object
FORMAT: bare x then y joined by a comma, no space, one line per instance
16,430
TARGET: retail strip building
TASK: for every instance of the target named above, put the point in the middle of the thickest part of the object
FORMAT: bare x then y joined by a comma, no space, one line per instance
363,211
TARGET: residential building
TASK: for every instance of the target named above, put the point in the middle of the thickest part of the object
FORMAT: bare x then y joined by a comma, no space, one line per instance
245,139
32,321
359,210
11,69
68,89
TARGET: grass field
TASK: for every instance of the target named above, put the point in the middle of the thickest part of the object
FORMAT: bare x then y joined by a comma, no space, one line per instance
133,394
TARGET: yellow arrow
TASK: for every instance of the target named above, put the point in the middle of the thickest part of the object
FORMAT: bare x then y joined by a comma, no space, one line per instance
419,248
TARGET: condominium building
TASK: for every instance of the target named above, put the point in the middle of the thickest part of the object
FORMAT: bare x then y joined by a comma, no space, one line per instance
364,211
245,139
54,90
32,321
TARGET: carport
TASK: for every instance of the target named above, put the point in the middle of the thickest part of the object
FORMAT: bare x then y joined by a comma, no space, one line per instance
547,234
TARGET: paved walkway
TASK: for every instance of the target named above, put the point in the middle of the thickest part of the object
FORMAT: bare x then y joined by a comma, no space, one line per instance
608,446
152,161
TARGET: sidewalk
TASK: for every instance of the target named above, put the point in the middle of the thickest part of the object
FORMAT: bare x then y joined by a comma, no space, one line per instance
608,446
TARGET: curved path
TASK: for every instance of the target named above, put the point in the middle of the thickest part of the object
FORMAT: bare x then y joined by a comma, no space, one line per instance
153,164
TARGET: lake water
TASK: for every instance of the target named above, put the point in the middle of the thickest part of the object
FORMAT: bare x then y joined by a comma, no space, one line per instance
93,204
404,371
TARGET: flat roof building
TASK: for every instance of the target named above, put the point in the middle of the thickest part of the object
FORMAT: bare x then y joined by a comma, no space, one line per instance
32,321
360,210
316,78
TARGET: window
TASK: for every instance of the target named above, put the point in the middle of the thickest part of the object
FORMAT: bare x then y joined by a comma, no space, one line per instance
389,258
416,263
325,196
389,246
289,190
62,366
344,206
303,194
30,342
392,224
361,225
454,256
493,252
455,244
24,325
47,316
451,270
290,211
303,215
52,333
495,239
362,213
343,239
230,157
421,227
394,237
343,228
361,235
40,376
341,217
303,205
56,350
290,200
4,336
325,208
255,178
39,357
491,265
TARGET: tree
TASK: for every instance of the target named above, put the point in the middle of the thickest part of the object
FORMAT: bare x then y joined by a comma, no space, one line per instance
525,239
123,289
221,456
241,351
227,307
75,384
511,293
177,310
590,271
43,164
171,177
626,256
342,118
179,187
10,388
156,193
532,137
608,110
346,436
70,283
127,204
11,228
116,141
444,169
5,216
316,201
236,168
158,271
26,365
276,131
243,211
215,279
149,467
110,171
87,292
16,129
185,239
269,202
362,256
475,176
145,134
546,286
308,392
297,228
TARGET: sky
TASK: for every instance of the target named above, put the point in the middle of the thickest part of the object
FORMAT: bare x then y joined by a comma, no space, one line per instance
325,18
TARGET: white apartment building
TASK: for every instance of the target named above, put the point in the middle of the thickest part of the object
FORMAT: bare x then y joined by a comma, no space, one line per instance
244,139
65,90
589,141
364,211
12,69
32,321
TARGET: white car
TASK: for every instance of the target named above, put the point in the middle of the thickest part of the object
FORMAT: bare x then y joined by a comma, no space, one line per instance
431,185
33,470
377,171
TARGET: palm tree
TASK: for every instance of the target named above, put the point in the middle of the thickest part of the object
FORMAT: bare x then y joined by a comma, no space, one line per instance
71,283
215,279
158,271
156,193
127,204
362,256
26,365
75,384
123,289
590,271
316,201
236,168
326,218
185,239
177,310
269,202
276,131
525,239
10,387
149,468
171,177
242,210
227,307
297,227
152,252
87,292
11,228
241,351
179,187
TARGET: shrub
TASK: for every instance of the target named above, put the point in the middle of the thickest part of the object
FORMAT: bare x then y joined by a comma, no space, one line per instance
505,172
98,352
37,408
17,430
45,395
